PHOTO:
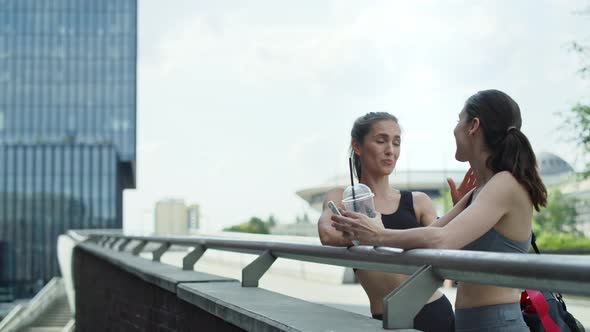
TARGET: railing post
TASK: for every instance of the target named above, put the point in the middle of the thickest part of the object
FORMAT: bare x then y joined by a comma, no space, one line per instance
94,239
138,248
401,305
112,244
157,254
103,241
255,270
124,244
188,262
113,241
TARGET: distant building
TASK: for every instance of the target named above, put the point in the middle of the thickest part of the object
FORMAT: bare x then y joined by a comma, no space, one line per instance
194,217
171,217
554,171
580,191
174,217
67,128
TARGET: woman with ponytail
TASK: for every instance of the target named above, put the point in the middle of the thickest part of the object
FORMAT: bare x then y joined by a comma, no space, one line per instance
375,145
495,216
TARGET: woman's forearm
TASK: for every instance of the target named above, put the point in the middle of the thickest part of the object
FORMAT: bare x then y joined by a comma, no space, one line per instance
331,237
423,237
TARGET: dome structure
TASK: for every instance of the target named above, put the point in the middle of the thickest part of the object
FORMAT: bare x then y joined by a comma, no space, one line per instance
551,164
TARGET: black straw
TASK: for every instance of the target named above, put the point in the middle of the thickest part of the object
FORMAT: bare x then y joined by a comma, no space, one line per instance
351,178
354,207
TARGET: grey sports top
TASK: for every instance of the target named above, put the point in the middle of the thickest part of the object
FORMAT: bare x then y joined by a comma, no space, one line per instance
496,242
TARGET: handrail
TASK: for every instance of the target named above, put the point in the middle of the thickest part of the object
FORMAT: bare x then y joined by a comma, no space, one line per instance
567,274
26,314
9,323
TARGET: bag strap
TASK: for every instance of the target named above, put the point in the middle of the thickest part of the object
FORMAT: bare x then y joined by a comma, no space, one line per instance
534,243
538,302
558,296
536,249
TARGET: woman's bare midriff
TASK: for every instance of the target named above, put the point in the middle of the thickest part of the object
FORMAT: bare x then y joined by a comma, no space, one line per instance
474,295
377,285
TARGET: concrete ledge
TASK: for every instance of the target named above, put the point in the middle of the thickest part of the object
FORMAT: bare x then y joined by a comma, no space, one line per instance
163,275
256,309
110,293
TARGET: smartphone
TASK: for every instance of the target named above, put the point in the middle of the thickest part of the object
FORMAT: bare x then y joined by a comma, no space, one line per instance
334,209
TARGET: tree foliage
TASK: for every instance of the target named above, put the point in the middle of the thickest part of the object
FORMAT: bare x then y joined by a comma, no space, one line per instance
578,118
254,225
559,216
557,241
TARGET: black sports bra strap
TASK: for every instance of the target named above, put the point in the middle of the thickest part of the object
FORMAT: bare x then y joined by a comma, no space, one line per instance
408,201
470,198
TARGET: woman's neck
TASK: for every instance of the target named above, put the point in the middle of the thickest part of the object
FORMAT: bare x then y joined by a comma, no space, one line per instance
379,185
481,172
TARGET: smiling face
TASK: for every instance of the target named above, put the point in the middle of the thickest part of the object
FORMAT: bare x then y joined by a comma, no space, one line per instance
380,148
462,140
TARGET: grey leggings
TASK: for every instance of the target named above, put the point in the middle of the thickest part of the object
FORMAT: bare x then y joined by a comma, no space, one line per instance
491,318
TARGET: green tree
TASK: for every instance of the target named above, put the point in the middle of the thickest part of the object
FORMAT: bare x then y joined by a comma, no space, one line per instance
254,225
578,118
445,200
272,221
559,216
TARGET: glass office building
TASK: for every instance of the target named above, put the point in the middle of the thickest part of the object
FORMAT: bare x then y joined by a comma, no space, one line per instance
67,127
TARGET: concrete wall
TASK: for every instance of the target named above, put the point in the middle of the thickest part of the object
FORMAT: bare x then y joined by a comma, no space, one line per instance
116,291
109,298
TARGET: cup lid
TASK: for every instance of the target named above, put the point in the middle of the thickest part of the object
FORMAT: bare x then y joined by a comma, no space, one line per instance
360,191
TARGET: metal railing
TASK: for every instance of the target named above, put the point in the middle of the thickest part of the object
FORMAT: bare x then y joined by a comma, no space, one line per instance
22,315
428,267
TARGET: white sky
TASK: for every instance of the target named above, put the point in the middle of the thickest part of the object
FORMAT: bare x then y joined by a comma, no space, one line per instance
240,104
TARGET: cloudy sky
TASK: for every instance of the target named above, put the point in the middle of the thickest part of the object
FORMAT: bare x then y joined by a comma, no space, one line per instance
240,104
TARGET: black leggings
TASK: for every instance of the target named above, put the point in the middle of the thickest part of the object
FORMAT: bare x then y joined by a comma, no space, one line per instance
435,316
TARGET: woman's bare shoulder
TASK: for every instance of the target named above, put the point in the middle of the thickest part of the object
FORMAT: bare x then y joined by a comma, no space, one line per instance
421,197
504,178
504,184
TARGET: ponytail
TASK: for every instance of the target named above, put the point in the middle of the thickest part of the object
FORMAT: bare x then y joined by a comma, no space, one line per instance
510,149
516,156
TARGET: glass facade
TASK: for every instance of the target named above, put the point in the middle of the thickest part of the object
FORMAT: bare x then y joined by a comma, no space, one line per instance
67,127
68,72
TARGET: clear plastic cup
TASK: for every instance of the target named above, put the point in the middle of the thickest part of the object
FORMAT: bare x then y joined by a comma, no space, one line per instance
362,202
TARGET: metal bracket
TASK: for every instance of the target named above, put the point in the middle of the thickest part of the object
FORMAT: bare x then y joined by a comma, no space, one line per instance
124,245
157,254
113,243
401,305
93,239
138,248
255,270
188,262
107,242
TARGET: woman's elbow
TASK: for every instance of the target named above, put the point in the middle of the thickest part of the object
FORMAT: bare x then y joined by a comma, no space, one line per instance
437,239
325,236
325,239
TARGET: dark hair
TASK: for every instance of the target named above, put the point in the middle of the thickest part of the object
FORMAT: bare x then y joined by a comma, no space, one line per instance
499,118
360,129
